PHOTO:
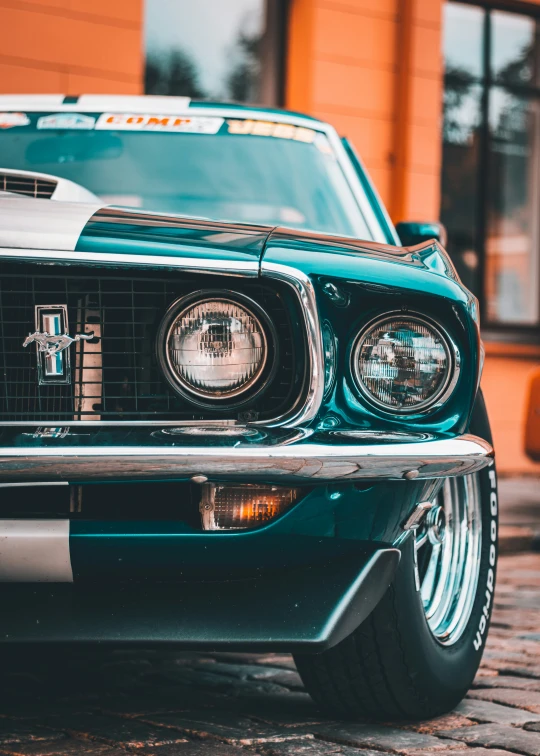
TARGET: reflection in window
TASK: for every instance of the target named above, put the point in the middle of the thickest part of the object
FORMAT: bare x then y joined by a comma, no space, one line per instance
512,233
461,120
213,49
459,196
491,158
463,39
513,48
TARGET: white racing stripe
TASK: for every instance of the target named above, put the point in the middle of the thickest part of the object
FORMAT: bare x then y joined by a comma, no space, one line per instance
35,551
43,224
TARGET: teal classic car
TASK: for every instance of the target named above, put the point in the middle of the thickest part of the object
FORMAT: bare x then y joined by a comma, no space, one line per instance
239,409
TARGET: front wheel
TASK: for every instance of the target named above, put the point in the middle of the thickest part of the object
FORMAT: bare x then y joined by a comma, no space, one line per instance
416,655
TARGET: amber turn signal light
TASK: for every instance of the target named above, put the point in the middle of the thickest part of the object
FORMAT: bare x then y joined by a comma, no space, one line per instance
228,507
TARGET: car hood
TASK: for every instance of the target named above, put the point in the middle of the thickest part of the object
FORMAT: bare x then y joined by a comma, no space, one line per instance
114,234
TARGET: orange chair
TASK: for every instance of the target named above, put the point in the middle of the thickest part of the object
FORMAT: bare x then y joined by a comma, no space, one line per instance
532,426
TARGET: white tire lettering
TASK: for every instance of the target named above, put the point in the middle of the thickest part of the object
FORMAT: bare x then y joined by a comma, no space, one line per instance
490,585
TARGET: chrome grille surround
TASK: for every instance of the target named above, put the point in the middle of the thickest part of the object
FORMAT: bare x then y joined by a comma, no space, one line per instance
141,394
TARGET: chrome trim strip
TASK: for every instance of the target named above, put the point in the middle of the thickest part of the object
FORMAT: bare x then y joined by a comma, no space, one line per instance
226,268
305,292
123,425
35,551
298,462
28,484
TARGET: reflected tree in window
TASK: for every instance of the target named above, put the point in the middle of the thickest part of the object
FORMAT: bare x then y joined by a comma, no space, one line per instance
514,55
519,71
172,73
244,78
458,83
512,232
215,49
459,178
491,157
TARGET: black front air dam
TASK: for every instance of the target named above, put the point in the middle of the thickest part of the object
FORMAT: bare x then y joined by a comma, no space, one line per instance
308,609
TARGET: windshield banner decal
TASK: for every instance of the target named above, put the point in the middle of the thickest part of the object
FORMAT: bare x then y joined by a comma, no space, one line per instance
66,121
9,120
143,122
271,129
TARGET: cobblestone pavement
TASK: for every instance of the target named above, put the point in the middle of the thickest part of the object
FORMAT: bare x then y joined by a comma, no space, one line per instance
111,703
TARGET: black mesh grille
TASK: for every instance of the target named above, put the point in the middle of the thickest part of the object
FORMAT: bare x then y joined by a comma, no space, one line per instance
27,185
116,376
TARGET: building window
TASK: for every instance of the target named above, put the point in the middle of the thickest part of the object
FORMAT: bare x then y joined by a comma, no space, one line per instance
491,159
215,50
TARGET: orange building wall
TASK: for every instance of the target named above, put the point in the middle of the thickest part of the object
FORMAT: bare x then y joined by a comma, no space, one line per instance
374,70
505,384
71,46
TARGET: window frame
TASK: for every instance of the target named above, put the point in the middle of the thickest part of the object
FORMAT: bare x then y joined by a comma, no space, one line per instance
511,332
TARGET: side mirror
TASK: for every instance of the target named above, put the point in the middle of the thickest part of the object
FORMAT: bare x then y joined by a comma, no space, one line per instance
412,233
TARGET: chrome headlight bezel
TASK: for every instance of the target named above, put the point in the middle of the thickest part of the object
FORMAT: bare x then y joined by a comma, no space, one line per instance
330,358
444,391
257,383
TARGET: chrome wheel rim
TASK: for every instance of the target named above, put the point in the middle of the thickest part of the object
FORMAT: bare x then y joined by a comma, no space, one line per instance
447,557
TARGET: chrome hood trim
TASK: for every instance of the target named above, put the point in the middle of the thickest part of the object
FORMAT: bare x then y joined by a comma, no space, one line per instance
305,293
110,259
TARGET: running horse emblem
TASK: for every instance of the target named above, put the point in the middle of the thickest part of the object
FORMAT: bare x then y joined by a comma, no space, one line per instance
50,345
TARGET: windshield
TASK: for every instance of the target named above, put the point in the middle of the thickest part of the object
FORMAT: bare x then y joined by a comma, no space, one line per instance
224,169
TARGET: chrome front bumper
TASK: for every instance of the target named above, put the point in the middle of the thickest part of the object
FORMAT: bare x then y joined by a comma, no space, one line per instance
85,454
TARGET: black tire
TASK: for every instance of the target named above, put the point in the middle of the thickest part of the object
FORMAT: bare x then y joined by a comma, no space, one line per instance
392,666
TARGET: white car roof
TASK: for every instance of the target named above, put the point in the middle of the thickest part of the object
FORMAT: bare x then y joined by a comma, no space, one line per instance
121,103
153,105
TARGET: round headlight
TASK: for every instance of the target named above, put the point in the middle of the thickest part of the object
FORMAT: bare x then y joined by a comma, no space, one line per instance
403,364
215,347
